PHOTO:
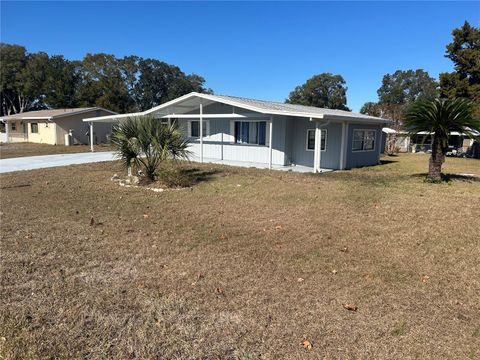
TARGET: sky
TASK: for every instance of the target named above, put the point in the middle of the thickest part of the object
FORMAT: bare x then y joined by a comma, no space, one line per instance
252,49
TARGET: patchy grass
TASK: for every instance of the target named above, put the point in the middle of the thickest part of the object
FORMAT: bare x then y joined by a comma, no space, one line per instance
14,150
246,264
400,329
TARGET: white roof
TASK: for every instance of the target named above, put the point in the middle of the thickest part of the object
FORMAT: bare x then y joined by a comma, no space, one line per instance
388,130
259,106
452,133
51,114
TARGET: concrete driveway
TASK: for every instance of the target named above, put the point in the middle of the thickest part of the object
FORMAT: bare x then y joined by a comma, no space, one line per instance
48,161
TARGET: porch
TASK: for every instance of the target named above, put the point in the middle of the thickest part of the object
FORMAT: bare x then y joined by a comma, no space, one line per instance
294,168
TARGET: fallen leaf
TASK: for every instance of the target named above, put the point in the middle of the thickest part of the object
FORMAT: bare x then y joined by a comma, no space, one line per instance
307,345
350,307
145,216
425,278
300,279
92,221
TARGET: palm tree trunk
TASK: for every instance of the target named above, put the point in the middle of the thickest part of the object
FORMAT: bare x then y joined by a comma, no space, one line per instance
436,161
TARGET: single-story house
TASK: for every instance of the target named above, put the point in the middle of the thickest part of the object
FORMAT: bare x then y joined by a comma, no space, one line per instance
56,126
259,133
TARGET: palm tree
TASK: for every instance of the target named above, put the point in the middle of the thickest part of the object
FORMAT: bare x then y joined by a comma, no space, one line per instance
144,142
440,117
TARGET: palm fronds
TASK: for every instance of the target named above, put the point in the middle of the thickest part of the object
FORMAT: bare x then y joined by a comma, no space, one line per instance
144,142
440,118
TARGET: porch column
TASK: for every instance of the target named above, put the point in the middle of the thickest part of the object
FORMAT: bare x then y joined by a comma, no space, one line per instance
317,154
201,132
91,136
270,137
221,147
7,131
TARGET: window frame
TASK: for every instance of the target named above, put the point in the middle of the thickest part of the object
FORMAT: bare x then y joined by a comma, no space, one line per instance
323,131
206,129
31,127
13,126
364,139
236,140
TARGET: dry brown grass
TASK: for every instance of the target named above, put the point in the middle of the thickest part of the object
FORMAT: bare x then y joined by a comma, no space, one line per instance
242,265
14,150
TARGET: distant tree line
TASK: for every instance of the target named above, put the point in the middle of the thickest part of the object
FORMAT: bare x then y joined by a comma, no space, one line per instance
37,81
33,81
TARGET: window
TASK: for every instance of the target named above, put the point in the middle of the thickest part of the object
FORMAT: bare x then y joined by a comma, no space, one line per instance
311,140
34,128
13,126
363,140
250,132
194,128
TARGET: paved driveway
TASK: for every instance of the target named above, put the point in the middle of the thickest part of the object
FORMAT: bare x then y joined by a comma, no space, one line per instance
47,161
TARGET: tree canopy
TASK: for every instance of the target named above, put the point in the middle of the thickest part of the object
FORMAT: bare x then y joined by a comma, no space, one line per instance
464,51
324,90
404,87
37,81
371,108
398,91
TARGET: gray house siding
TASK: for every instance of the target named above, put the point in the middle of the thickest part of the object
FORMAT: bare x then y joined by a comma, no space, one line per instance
219,144
289,141
80,129
299,155
363,158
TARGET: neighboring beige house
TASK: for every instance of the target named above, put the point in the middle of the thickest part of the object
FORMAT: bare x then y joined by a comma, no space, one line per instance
56,127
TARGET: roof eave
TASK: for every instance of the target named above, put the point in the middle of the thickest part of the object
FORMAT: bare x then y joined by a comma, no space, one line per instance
357,119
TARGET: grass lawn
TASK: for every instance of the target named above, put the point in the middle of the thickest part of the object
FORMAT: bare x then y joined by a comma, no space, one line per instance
247,264
14,150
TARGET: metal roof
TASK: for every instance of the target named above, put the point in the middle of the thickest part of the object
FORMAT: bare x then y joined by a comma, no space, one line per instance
300,110
51,113
260,106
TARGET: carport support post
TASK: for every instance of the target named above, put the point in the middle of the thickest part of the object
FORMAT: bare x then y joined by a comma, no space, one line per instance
270,137
7,131
91,136
316,152
201,132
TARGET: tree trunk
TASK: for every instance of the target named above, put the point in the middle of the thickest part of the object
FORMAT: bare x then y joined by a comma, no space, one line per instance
436,161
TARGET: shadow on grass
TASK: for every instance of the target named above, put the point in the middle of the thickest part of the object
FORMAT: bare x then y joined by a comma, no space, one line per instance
199,175
386,162
451,177
186,177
